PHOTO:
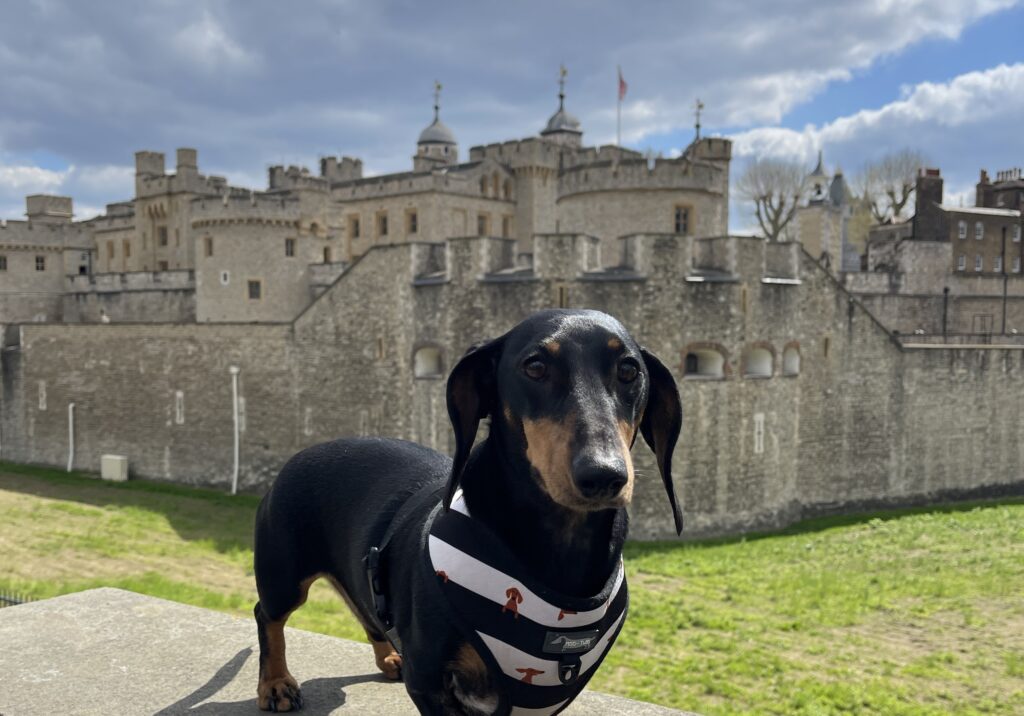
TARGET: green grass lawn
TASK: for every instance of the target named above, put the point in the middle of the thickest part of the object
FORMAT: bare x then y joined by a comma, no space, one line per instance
911,612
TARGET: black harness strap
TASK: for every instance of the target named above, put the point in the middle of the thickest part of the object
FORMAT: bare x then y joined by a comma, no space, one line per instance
376,558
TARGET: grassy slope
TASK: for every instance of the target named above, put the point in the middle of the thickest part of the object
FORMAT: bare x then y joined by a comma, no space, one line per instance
915,612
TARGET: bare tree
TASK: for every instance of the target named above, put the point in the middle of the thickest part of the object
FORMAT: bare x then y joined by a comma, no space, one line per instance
774,186
887,184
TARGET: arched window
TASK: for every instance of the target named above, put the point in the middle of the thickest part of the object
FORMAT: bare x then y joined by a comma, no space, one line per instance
791,361
427,362
757,363
495,184
704,363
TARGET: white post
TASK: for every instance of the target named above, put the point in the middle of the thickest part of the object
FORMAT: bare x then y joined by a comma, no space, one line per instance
234,370
71,435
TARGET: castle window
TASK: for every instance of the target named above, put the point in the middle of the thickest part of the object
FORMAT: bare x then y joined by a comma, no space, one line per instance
1016,233
979,263
482,224
962,229
127,249
327,254
704,364
3,263
208,241
979,231
255,290
997,264
791,361
289,247
757,363
961,263
412,222
225,278
161,266
161,234
682,220
382,224
110,250
177,238
40,263
495,184
1016,264
353,227
427,363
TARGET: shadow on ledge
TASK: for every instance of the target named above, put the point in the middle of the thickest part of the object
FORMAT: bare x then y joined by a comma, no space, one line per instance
320,696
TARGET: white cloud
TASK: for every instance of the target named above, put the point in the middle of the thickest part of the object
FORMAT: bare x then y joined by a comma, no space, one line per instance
30,179
975,98
205,44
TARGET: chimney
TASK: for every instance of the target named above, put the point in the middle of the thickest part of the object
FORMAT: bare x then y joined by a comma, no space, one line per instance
983,194
930,223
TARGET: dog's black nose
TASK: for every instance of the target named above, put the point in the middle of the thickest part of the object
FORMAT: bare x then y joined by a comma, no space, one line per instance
600,480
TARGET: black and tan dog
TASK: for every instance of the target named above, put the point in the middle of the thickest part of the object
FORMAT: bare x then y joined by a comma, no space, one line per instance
567,392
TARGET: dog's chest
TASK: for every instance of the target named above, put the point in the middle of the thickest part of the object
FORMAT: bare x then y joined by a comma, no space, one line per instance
545,646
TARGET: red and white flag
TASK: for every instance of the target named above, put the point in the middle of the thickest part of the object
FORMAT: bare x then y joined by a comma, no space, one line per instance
622,86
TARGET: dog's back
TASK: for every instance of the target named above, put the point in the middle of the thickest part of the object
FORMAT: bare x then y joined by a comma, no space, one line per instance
329,504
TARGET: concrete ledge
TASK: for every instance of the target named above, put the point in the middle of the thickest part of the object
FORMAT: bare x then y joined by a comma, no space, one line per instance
109,651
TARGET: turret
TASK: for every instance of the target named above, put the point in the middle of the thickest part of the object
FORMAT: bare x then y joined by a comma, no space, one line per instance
436,146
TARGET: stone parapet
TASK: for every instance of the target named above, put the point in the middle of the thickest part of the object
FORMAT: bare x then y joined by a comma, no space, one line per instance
107,650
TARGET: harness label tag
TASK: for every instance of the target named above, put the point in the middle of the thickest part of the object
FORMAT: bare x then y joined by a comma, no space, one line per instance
576,642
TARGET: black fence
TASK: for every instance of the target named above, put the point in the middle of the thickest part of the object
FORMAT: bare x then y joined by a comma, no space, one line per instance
9,599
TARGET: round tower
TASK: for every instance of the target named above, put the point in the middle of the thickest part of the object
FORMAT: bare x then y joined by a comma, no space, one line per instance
563,128
436,146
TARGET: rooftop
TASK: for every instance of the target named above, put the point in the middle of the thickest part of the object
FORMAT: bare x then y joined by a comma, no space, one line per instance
110,651
980,210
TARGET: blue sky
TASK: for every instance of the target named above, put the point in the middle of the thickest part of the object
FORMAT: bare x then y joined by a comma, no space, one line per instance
254,83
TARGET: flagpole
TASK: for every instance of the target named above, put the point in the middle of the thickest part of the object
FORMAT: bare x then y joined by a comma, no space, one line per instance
618,112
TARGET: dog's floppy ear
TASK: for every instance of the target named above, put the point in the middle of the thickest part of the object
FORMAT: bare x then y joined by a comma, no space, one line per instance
472,395
663,418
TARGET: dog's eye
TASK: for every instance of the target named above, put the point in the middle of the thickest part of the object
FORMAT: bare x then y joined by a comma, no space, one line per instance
535,368
628,370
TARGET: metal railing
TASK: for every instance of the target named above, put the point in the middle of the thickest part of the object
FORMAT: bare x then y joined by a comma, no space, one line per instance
9,599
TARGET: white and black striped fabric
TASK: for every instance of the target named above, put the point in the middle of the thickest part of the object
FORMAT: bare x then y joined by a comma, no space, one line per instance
546,645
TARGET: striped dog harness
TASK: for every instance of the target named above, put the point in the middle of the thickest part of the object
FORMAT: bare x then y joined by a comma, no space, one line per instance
545,645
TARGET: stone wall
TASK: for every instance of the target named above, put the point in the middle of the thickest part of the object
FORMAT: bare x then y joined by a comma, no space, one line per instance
144,297
864,420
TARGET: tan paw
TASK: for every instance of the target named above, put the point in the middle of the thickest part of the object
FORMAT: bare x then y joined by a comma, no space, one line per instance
391,666
280,694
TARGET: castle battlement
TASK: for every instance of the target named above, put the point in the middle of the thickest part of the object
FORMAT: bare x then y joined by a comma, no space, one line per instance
408,183
295,177
132,281
604,153
520,152
639,174
252,208
335,169
568,257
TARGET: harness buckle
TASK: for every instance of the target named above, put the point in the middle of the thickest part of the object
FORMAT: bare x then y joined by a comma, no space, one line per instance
380,602
569,668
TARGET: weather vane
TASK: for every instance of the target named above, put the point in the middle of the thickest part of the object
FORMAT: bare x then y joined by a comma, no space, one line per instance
698,106
437,99
562,73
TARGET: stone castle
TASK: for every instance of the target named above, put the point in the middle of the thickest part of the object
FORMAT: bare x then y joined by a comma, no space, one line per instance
335,305
189,247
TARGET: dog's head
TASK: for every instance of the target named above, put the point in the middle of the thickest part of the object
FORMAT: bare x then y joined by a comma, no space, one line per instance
568,391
